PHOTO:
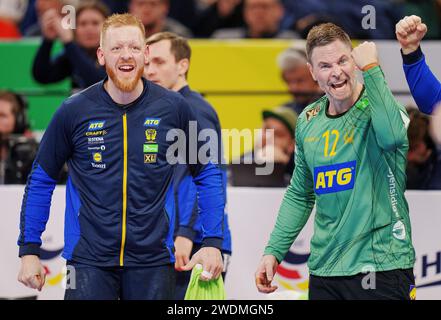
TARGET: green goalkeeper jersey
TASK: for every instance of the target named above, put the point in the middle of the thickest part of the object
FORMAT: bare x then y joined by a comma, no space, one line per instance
352,166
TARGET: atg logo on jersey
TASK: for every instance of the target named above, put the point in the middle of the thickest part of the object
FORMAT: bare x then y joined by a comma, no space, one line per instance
334,178
151,122
96,125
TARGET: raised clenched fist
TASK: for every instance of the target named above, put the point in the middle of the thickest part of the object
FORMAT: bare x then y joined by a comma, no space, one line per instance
365,54
410,31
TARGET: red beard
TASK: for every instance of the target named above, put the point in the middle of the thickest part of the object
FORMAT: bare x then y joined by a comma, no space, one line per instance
125,85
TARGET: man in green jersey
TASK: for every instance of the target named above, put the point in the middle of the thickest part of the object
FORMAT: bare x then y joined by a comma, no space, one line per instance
350,162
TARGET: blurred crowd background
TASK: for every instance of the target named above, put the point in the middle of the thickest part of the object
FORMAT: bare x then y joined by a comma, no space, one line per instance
68,56
234,18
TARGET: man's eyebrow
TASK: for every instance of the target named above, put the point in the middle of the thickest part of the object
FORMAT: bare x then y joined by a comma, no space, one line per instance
339,59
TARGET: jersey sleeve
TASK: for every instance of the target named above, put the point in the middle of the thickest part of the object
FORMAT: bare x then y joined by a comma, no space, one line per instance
54,150
187,209
296,206
389,118
424,86
207,177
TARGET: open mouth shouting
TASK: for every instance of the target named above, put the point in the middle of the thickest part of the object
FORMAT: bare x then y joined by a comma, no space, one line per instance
337,86
126,68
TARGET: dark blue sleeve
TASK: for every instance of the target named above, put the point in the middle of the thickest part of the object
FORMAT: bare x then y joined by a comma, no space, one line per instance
208,180
47,70
84,66
211,202
424,86
54,150
187,208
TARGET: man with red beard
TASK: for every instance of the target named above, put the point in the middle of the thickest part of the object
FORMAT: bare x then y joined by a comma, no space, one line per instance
115,137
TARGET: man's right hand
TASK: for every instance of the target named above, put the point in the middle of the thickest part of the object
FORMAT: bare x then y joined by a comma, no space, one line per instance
410,31
32,273
265,274
183,248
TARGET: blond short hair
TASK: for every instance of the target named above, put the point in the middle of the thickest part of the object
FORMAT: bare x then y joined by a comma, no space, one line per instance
323,35
121,20
179,46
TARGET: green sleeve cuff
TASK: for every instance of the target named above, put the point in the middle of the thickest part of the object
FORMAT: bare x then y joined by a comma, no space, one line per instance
269,251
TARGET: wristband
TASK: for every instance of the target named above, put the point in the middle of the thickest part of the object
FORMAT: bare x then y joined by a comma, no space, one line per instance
369,66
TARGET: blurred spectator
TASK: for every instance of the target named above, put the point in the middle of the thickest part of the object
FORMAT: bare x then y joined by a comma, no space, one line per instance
13,114
17,147
279,126
78,60
262,20
387,14
11,13
423,160
292,63
30,17
41,7
153,14
303,15
222,14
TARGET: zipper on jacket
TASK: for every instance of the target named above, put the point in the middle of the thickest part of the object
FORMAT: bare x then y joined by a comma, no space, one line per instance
124,193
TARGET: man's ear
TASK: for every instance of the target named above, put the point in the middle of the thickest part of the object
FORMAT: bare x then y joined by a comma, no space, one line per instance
100,56
183,66
310,70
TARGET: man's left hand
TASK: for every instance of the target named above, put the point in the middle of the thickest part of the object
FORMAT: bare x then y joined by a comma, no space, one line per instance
183,248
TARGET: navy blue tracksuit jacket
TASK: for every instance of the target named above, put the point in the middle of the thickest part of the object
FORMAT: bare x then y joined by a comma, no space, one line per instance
119,194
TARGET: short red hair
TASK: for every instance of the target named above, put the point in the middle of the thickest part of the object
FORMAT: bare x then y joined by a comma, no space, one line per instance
121,20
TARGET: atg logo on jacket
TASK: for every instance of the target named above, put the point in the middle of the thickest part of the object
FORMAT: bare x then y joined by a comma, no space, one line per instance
334,178
96,125
152,122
